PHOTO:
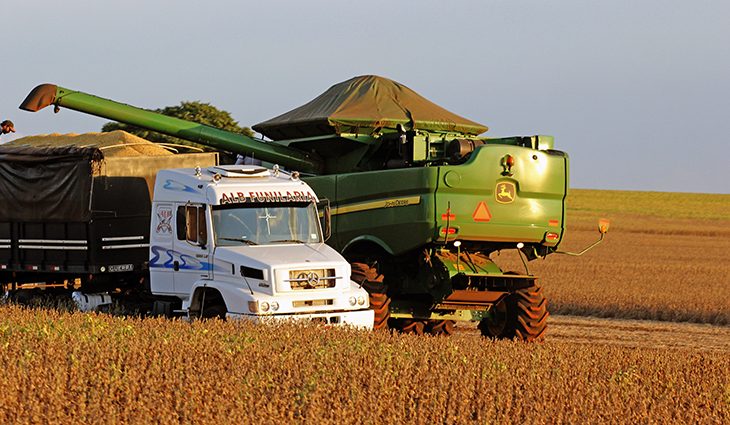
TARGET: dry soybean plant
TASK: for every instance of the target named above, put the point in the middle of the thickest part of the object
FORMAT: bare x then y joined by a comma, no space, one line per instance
61,367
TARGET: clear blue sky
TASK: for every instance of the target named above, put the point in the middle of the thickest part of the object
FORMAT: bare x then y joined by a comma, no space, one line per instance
637,92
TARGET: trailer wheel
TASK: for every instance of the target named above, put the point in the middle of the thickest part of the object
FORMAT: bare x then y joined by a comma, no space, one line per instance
369,278
522,315
441,327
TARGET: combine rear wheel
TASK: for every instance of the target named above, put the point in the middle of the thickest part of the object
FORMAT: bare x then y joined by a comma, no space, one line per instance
369,278
523,315
441,327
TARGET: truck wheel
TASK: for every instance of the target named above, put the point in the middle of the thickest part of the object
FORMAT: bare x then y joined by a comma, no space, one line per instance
215,310
441,327
522,315
369,278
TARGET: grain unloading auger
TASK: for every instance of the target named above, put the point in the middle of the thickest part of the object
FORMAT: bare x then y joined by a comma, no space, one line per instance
419,200
49,94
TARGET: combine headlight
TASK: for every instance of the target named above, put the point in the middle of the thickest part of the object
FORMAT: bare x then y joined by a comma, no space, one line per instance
264,306
353,301
274,305
361,300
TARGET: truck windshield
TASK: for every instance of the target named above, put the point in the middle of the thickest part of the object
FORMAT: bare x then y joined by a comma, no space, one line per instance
266,223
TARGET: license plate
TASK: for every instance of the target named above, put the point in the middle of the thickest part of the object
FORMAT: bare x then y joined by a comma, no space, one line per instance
121,268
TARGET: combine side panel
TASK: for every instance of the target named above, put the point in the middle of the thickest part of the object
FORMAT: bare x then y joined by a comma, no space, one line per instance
392,207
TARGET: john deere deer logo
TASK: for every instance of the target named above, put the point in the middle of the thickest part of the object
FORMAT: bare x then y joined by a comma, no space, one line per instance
505,192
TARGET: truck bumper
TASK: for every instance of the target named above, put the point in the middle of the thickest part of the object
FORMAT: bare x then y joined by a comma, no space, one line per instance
362,319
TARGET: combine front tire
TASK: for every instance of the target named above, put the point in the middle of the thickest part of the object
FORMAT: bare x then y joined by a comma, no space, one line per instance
369,278
523,316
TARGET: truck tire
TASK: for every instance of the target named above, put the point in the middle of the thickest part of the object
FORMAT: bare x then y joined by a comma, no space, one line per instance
369,278
215,311
522,315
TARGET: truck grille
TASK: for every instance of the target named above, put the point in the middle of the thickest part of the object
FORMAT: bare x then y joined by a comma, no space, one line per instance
312,303
312,279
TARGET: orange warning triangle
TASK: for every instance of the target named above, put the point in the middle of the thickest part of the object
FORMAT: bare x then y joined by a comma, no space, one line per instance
481,213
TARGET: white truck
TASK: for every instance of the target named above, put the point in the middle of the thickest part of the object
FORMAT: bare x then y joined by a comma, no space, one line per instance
212,241
245,241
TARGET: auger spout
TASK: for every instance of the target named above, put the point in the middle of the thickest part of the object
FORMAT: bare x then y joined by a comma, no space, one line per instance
49,94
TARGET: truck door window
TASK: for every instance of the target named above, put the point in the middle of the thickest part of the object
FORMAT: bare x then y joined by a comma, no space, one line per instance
191,224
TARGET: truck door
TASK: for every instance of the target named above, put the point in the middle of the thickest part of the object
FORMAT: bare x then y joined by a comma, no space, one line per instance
191,260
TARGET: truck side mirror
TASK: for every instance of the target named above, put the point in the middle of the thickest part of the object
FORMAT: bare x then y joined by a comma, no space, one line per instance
325,213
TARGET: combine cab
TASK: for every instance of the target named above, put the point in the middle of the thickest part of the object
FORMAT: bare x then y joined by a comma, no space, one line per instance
419,201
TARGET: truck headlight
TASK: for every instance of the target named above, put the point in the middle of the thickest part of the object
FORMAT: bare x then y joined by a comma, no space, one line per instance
353,301
262,306
253,307
361,300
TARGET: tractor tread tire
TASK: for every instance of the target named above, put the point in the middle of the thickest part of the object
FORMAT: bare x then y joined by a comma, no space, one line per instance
526,316
369,278
441,327
416,327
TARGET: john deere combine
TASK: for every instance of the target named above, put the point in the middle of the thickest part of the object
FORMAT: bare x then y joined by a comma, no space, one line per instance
419,201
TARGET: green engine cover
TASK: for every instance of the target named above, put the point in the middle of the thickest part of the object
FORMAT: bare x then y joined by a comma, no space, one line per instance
502,194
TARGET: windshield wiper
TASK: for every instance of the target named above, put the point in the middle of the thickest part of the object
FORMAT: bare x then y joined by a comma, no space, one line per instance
246,241
287,240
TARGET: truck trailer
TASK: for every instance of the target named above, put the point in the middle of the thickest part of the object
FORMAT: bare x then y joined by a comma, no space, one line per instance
205,240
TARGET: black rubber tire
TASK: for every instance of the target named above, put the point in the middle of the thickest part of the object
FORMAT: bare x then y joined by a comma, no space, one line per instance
522,315
410,326
217,310
369,278
441,327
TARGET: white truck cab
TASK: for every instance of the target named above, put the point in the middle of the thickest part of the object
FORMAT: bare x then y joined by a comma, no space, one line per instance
245,241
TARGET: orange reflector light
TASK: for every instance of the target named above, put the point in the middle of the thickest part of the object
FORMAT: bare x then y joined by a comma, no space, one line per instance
603,225
552,236
448,216
554,223
452,231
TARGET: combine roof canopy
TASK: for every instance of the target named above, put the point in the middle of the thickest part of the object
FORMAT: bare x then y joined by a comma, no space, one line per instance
361,105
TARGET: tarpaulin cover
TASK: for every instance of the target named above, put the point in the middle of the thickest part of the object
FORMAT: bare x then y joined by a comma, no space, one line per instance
361,105
56,178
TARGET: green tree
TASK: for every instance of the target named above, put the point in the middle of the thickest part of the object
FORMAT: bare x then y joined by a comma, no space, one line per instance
195,111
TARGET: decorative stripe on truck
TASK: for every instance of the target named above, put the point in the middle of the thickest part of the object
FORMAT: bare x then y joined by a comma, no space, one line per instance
186,262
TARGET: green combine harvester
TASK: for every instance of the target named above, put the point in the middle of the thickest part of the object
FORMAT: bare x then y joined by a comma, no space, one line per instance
419,201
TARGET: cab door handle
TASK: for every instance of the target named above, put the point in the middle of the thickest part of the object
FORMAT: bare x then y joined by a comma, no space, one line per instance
176,265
